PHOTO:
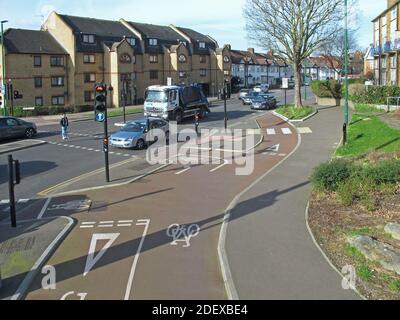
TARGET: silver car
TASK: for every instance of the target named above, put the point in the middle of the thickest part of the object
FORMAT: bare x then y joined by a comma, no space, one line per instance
11,128
133,134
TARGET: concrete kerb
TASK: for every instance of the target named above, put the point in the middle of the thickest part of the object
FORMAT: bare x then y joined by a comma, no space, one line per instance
297,120
39,143
224,261
307,216
22,289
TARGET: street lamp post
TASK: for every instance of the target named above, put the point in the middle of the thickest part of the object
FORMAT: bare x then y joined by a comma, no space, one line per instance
346,72
3,67
305,75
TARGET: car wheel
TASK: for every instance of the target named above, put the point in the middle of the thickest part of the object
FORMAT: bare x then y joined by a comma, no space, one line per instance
140,144
29,133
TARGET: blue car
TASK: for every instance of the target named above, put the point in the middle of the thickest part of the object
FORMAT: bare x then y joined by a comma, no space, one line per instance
133,134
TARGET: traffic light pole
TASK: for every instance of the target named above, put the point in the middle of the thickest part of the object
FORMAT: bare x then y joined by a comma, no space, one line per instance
106,146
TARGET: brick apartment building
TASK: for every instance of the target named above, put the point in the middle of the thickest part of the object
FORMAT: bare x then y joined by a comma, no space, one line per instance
60,64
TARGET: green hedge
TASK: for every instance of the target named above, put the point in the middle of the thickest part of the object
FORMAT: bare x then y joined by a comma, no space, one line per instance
46,111
376,95
327,89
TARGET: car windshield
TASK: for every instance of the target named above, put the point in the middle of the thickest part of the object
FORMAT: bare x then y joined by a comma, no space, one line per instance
156,96
134,127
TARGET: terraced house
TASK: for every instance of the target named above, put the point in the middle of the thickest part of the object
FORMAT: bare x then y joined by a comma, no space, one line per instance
387,45
127,55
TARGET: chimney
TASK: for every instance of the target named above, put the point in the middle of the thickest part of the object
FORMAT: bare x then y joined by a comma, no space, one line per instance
391,3
251,50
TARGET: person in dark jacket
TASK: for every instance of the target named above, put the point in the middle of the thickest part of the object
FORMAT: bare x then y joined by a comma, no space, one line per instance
64,127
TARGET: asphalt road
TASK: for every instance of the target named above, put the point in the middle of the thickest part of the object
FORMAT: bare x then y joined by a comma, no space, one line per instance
58,161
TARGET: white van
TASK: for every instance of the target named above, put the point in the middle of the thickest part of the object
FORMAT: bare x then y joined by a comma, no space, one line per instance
263,88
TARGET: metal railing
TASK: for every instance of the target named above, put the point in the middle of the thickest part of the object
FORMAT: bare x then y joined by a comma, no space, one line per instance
397,99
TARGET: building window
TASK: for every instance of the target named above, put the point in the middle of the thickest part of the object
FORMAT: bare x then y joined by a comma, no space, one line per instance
37,61
56,61
153,42
125,58
89,96
153,74
89,58
134,75
131,41
202,45
227,59
57,100
90,77
57,81
153,58
39,102
88,38
182,58
203,59
38,82
125,77
203,72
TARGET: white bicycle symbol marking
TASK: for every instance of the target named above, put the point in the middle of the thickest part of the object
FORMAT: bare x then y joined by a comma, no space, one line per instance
183,234
71,205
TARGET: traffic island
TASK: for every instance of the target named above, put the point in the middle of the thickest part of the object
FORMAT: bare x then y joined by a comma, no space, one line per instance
292,114
25,250
354,215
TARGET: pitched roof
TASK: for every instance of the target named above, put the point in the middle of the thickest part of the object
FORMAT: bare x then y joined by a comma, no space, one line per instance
158,32
198,37
31,41
105,31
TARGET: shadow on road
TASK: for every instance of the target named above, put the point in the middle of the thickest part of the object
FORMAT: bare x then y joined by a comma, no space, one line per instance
28,169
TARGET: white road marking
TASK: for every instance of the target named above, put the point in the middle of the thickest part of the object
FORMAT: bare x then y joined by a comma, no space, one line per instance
146,224
86,227
272,151
271,132
106,226
183,171
282,155
304,130
86,223
125,221
44,209
124,225
219,167
92,259
4,201
23,200
106,222
286,131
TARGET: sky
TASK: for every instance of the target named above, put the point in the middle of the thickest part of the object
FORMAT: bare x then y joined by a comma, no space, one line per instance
221,19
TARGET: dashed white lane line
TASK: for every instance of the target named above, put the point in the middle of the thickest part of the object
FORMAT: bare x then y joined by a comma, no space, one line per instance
286,131
183,171
271,132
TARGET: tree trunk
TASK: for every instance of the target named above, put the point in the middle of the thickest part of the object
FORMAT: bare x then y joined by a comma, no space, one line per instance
297,86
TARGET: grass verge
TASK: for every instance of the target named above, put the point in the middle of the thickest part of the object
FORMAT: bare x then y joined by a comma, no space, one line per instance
367,134
120,112
366,108
293,113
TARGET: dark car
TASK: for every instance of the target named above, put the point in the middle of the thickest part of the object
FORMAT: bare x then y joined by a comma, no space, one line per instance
251,95
11,128
263,102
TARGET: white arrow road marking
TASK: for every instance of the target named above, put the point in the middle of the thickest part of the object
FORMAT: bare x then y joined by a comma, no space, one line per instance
272,150
92,259
146,224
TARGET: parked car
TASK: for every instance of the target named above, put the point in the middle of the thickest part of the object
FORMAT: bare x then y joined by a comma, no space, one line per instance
250,95
11,127
244,93
133,134
263,88
263,102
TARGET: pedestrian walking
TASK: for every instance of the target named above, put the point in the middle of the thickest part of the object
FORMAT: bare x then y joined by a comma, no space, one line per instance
64,126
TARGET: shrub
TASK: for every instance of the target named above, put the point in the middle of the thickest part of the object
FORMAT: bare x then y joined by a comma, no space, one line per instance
385,172
328,176
49,111
327,89
356,89
376,95
347,192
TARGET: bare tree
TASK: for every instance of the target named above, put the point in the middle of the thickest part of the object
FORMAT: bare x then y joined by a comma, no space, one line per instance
294,29
334,51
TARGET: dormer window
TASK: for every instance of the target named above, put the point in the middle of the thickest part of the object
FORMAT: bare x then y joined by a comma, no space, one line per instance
131,41
202,45
88,38
153,42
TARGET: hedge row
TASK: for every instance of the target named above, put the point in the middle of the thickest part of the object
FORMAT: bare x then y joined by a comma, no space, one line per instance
48,111
358,92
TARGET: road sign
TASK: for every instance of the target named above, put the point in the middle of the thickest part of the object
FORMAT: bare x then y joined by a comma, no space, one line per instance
100,117
285,83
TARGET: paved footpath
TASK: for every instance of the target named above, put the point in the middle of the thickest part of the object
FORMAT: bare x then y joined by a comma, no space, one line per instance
270,251
158,238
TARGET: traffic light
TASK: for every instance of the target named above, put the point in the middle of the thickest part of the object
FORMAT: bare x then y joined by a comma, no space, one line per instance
100,105
1,100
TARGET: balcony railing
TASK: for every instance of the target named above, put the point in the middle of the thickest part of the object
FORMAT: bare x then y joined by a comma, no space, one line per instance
388,47
377,51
